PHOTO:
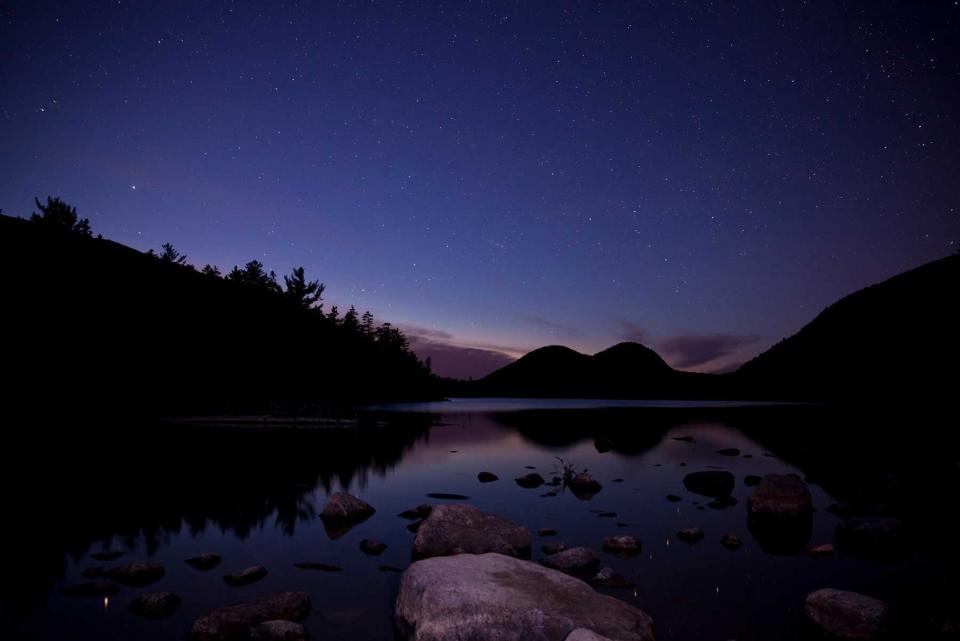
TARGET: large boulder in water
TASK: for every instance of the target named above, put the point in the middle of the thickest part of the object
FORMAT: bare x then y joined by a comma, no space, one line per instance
837,614
780,496
464,529
236,621
492,597
713,483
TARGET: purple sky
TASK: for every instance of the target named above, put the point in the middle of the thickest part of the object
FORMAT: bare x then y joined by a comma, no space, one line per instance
702,177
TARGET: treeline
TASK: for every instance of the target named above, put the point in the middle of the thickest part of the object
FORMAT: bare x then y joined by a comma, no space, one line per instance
241,341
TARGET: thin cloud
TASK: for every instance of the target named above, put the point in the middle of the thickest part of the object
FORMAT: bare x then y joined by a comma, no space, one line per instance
453,359
550,325
692,350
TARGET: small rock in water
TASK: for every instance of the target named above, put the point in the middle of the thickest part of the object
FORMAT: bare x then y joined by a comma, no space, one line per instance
579,561
731,541
690,535
602,445
722,503
322,567
372,547
729,451
621,545
389,568
99,587
108,555
686,439
748,456
584,486
556,481
780,496
204,562
278,631
548,495
487,477
530,467
137,574
618,480
342,512
94,572
607,515
529,481
553,548
448,497
155,604
422,511
673,498
547,531
235,621
820,549
839,614
752,480
246,575
607,578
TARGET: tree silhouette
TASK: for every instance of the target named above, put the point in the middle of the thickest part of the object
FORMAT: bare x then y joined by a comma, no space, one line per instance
366,324
334,315
210,270
303,293
171,255
57,213
350,320
254,275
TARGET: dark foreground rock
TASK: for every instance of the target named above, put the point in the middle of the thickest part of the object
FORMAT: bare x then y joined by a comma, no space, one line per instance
322,567
278,631
246,575
690,535
342,512
577,561
464,529
235,622
155,605
712,483
372,547
846,615
204,562
492,597
137,574
487,477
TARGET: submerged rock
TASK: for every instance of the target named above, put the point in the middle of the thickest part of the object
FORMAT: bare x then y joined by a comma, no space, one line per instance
690,535
372,547
607,578
731,541
577,561
529,481
246,575
447,496
846,615
155,605
820,549
712,483
492,597
464,529
552,548
322,567
621,545
137,574
487,477
546,531
278,631
673,498
100,587
235,622
204,562
422,511
729,451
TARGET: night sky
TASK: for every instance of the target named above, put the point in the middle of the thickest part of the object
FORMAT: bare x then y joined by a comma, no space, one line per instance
703,177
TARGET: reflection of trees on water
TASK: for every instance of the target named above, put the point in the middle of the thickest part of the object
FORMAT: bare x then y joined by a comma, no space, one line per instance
113,490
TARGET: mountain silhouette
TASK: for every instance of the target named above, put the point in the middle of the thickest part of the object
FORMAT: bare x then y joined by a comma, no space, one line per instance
890,341
897,338
93,326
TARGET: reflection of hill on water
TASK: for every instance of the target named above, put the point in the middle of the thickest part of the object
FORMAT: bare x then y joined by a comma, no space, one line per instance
114,487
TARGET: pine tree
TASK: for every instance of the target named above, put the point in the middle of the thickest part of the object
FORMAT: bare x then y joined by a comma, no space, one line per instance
59,214
303,293
254,275
171,255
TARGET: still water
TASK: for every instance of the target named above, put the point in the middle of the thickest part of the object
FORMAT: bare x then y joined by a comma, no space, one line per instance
163,494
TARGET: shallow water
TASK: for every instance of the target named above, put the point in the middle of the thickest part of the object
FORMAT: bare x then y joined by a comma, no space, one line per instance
257,502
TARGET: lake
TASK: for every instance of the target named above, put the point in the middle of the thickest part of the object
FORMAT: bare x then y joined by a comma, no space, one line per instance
164,493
